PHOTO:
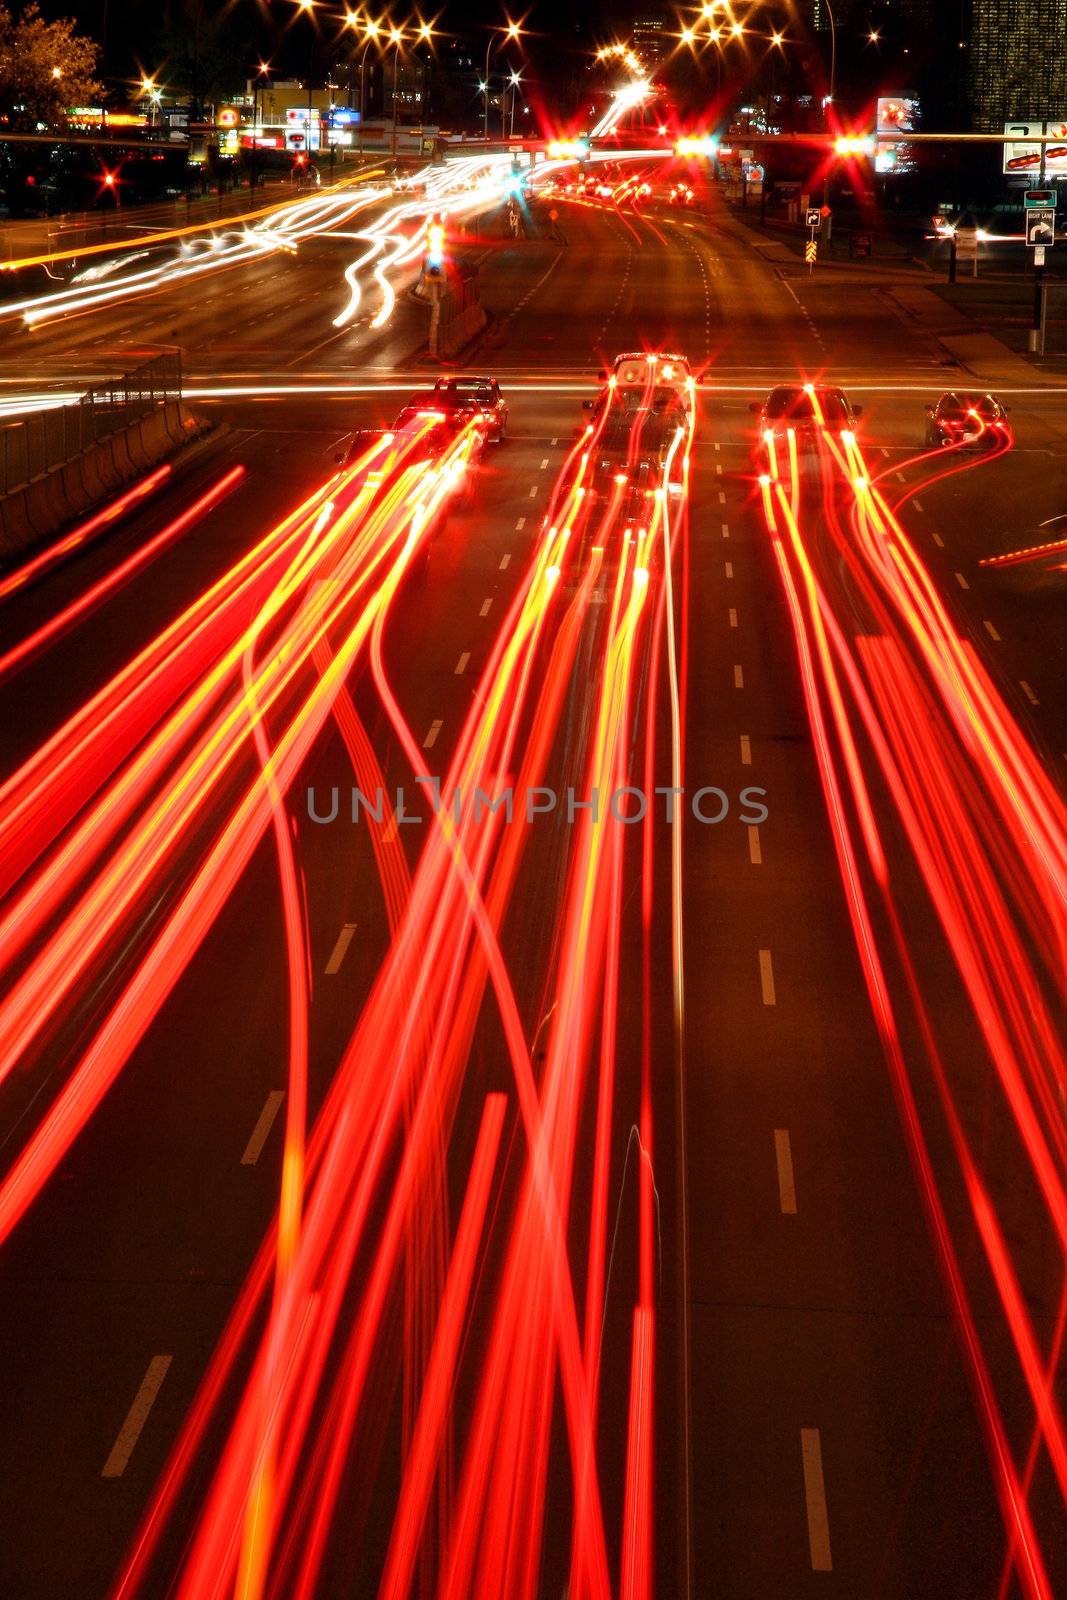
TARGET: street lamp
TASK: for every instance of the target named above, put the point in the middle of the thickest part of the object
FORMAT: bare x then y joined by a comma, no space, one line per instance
511,33
396,39
514,80
308,7
263,72
371,30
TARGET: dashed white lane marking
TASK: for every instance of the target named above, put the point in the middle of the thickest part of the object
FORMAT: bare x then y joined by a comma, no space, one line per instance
729,569
533,490
940,543
520,524
917,504
739,678
783,1155
746,750
885,452
136,1417
1028,692
726,530
962,581
722,498
484,612
461,664
264,1123
718,446
899,476
337,954
555,441
733,617
503,562
992,632
766,978
431,738
755,848
815,1499
544,464
718,466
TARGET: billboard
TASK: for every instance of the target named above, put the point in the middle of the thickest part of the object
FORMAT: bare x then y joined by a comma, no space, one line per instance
1022,154
895,114
302,128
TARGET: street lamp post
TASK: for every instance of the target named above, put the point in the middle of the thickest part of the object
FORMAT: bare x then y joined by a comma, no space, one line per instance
372,30
512,31
396,38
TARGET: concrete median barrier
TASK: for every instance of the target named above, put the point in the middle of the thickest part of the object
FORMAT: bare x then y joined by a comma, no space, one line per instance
40,509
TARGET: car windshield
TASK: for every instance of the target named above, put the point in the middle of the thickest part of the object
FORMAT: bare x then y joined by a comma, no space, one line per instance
797,405
464,386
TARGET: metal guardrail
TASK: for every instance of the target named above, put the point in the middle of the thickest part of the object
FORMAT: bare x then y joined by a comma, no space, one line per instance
35,444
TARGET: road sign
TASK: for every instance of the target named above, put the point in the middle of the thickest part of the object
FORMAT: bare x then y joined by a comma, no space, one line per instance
1040,197
966,244
1039,255
811,249
1041,225
812,217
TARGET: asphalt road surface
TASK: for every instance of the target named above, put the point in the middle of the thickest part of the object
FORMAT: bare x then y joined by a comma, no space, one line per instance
820,1426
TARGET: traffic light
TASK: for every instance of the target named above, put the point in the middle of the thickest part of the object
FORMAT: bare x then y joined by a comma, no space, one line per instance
435,247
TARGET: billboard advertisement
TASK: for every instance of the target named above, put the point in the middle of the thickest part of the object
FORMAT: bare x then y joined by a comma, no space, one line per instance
302,128
1022,151
895,114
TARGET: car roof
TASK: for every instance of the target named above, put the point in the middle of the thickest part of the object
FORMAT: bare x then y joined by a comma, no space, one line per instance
466,382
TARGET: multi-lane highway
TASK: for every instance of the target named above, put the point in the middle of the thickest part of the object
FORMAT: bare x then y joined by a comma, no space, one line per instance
549,1204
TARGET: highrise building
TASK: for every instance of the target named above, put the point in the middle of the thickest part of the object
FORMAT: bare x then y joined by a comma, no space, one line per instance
1018,61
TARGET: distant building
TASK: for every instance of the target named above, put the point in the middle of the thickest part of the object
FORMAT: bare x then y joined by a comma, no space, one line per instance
651,38
1018,62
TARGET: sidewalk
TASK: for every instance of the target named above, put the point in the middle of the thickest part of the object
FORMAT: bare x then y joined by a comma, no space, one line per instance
777,253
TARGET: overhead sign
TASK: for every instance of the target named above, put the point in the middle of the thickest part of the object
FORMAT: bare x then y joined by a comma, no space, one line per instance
812,217
1040,197
1040,225
1022,153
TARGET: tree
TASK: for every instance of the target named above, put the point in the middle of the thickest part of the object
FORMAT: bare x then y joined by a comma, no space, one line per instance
45,67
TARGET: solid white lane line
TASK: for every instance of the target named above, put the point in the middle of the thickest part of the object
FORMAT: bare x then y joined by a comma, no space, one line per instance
962,581
484,612
136,1417
337,955
746,750
503,562
936,537
431,738
783,1155
520,524
766,978
461,664
544,464
254,1147
815,1499
733,617
729,569
755,849
992,632
1028,692
726,530
917,504
739,678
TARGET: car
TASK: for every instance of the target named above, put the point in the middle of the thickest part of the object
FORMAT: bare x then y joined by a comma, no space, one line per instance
804,408
681,195
634,368
436,422
976,421
482,393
